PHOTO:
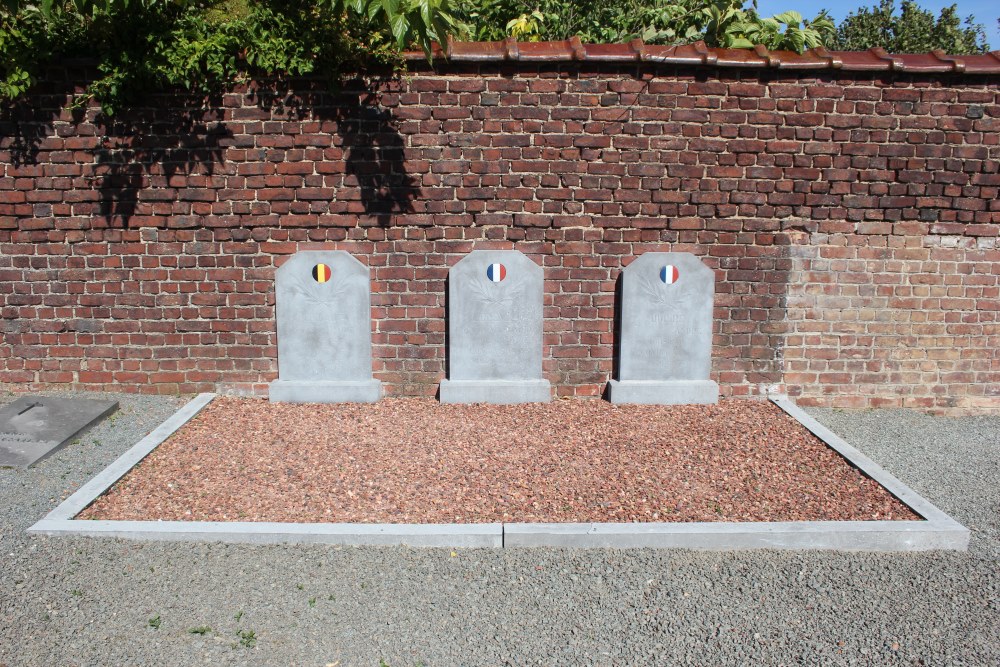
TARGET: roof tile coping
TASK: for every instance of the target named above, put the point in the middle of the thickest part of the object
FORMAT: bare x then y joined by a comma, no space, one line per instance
698,53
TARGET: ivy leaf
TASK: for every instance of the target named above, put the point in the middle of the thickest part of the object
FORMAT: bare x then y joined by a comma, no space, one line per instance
788,18
399,26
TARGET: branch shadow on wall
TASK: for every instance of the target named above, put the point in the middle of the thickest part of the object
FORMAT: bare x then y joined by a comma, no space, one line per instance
375,160
373,149
140,154
616,332
147,150
23,129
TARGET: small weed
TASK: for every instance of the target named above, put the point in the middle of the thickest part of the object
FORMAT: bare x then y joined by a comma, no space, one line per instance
200,630
76,592
238,616
46,617
382,663
248,638
155,622
331,598
299,586
312,602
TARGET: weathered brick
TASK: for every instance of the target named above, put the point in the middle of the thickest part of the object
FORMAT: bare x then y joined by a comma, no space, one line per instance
835,214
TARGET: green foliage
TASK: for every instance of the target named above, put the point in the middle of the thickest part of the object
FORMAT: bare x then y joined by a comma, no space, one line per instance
207,46
24,40
911,30
731,26
719,22
248,638
526,27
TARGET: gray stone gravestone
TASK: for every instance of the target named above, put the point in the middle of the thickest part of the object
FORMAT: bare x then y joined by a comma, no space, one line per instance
34,427
665,345
323,304
495,330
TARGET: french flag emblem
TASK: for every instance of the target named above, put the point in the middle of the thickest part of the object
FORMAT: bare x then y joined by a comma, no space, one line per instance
496,272
668,274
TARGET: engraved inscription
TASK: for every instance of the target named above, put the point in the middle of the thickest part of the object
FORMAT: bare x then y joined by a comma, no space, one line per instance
16,437
322,307
666,318
495,317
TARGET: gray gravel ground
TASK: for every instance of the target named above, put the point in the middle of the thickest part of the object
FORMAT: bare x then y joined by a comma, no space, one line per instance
80,601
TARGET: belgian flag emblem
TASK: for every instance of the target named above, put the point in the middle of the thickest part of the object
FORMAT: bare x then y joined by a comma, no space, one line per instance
321,273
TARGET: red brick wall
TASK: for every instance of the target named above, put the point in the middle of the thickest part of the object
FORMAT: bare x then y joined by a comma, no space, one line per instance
851,219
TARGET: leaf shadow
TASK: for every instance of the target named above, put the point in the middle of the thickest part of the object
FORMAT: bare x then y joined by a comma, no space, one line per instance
173,148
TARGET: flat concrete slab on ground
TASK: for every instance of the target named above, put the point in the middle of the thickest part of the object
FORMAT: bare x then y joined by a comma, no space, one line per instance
33,427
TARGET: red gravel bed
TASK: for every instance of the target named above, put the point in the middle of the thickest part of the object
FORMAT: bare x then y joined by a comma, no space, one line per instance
418,461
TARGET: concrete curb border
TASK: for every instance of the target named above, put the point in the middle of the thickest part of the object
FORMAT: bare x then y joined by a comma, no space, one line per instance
936,531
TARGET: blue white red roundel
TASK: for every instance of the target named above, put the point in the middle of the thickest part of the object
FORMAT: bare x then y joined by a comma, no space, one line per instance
496,272
669,274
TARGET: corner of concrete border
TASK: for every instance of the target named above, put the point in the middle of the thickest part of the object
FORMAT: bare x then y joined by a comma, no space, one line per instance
954,533
105,479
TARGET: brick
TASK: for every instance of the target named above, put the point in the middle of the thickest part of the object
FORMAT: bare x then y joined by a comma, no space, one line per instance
846,221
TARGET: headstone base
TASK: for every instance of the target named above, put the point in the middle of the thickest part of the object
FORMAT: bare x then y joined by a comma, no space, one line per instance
300,391
498,392
657,392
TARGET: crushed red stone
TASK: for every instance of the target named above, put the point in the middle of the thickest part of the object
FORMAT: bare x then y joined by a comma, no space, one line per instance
418,461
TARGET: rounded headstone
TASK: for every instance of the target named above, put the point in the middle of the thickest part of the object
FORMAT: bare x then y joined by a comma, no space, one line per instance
323,308
495,329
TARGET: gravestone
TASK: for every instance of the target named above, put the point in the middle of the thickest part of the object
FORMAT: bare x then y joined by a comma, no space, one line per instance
495,330
323,306
34,427
665,344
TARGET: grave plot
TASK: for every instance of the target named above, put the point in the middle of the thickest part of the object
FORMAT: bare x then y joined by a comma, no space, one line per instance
571,461
738,474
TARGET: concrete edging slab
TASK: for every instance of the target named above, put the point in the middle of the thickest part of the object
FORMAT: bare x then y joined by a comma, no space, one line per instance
247,532
936,531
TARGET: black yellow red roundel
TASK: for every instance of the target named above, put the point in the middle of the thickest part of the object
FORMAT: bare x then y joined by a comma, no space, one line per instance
321,273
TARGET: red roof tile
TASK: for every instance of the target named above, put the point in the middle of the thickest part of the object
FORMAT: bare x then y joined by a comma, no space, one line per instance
988,63
698,53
